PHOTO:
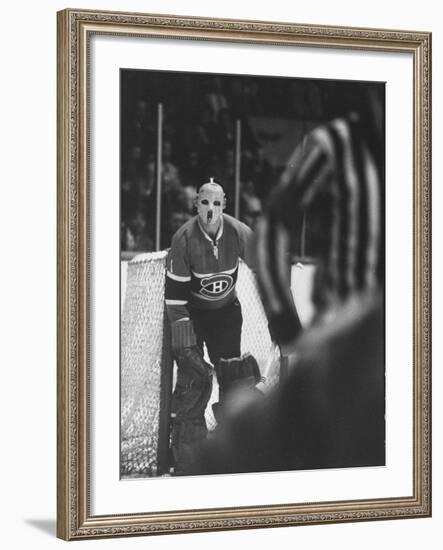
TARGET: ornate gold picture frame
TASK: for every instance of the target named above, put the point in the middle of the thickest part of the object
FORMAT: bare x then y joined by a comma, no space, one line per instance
77,517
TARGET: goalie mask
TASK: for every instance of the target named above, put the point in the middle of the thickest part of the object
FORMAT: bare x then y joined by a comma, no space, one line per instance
211,202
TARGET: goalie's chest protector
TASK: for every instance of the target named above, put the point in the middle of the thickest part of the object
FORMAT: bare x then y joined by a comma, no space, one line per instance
201,270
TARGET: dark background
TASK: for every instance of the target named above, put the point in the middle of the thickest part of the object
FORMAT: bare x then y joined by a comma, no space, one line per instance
199,134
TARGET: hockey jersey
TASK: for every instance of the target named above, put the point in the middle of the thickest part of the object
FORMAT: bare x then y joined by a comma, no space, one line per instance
202,271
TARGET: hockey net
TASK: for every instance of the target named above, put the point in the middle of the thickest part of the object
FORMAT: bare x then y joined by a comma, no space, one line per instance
147,371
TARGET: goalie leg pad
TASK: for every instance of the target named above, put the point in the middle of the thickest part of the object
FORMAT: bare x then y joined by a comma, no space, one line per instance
190,398
191,395
186,433
190,361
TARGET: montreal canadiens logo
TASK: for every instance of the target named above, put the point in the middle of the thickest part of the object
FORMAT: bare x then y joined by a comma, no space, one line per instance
216,286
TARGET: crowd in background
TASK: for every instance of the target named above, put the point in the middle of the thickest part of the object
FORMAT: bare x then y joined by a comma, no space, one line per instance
198,142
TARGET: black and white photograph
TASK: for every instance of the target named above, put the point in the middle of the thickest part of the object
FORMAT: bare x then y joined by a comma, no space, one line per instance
252,274
243,299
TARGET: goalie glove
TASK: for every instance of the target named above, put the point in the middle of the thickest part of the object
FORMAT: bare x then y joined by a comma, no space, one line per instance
187,354
191,362
182,335
239,371
238,378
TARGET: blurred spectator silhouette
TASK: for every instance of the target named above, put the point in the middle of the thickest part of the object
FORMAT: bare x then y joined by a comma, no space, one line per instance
251,206
225,132
138,238
193,170
215,97
329,411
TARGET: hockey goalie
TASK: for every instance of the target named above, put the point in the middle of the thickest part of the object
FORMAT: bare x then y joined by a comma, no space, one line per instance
203,309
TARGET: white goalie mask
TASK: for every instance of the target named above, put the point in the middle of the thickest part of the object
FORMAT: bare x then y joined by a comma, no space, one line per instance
210,203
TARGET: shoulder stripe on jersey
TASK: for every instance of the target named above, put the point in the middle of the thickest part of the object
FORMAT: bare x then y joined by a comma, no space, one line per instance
179,278
227,272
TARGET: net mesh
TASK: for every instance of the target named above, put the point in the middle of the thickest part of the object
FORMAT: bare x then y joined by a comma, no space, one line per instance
141,362
142,349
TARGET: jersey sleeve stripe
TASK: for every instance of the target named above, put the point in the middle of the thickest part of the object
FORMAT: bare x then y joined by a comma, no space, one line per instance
179,278
176,302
